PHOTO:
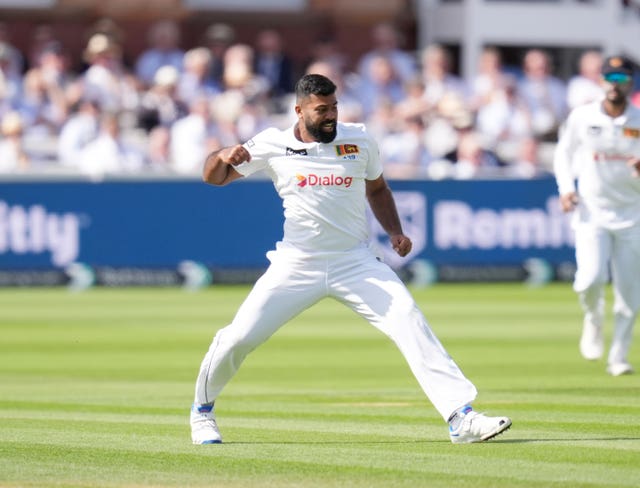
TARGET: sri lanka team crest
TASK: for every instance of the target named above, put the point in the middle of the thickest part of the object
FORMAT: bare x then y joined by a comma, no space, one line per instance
344,149
323,180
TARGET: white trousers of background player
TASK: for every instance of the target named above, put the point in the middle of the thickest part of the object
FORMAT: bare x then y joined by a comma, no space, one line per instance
370,288
596,250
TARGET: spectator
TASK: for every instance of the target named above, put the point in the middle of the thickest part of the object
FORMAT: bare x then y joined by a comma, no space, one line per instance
5,104
489,78
438,77
109,28
109,153
193,137
45,101
160,105
239,73
54,64
159,149
527,164
106,79
387,42
505,117
16,61
350,103
80,128
544,94
10,80
584,87
163,50
445,123
381,83
195,82
414,104
13,156
472,160
403,152
244,103
218,38
382,120
325,49
272,63
42,38
43,110
234,116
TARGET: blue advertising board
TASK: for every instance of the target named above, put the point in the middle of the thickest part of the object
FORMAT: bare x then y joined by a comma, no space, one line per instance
159,224
134,223
485,221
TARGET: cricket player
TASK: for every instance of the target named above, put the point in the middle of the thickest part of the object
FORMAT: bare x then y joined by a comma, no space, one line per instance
600,147
326,172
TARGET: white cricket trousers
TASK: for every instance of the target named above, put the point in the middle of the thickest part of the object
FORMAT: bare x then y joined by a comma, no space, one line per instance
365,285
597,251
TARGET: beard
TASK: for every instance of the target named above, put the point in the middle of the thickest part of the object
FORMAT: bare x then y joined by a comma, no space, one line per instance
616,97
321,135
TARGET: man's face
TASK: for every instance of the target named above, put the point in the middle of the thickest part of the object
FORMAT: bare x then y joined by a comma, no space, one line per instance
319,114
617,86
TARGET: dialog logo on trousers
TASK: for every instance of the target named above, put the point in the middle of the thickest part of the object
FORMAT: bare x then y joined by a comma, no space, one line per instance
324,180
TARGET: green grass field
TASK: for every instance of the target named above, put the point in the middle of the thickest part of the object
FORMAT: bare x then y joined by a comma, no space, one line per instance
95,390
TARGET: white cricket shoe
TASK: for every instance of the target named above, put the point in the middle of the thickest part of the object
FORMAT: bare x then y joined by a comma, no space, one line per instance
204,429
618,369
591,341
477,427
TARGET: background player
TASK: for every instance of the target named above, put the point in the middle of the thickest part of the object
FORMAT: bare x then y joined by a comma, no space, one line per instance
325,172
600,144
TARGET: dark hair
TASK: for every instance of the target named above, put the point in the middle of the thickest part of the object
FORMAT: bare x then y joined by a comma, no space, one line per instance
314,84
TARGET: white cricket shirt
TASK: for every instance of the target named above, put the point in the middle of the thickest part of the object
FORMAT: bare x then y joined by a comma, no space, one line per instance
322,186
594,148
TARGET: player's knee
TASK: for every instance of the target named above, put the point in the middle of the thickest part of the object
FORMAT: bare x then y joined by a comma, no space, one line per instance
242,342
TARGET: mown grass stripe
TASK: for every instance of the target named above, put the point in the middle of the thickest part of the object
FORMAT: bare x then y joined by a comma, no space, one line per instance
95,390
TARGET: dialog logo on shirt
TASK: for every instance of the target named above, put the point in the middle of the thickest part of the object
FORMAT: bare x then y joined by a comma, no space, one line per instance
323,180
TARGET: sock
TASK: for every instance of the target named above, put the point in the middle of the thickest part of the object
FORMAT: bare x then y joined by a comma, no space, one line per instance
456,418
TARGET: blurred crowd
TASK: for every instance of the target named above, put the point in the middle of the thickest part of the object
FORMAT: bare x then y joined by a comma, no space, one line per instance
162,112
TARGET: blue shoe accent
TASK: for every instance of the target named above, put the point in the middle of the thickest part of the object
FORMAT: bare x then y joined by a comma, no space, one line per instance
204,408
456,419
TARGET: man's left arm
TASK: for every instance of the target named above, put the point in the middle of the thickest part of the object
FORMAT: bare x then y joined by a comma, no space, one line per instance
384,209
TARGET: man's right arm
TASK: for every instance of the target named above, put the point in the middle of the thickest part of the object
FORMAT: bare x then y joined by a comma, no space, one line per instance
219,166
562,165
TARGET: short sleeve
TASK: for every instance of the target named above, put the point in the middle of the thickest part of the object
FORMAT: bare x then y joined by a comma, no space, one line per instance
261,149
374,165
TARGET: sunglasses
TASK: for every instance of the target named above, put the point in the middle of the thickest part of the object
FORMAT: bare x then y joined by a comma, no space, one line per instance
619,78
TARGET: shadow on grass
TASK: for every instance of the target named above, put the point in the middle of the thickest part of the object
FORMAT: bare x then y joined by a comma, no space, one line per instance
422,441
577,440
